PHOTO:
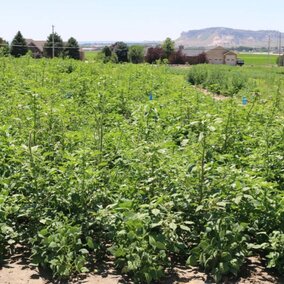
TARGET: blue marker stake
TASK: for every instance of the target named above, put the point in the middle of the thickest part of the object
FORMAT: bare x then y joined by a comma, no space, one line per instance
244,101
150,97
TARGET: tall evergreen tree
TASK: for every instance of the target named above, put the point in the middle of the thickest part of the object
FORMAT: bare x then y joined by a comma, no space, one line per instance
72,49
18,45
58,46
4,47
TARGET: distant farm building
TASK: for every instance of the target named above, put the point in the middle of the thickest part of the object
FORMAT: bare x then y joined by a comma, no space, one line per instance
220,55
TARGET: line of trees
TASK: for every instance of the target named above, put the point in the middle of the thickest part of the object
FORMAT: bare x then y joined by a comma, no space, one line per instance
165,53
70,49
120,52
19,47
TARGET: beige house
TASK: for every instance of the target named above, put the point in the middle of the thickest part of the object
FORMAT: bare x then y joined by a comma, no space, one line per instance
220,55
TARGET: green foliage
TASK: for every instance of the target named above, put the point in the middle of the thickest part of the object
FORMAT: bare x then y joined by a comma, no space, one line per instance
8,235
168,47
222,248
106,54
136,54
197,75
261,59
223,80
116,53
137,251
4,48
120,49
280,60
90,166
58,46
18,45
276,251
58,245
106,51
72,48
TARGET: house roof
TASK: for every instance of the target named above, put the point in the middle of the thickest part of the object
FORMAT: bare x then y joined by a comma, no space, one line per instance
192,52
230,53
39,44
217,49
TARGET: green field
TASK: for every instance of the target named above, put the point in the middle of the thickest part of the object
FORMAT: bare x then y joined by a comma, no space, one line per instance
258,59
91,54
134,164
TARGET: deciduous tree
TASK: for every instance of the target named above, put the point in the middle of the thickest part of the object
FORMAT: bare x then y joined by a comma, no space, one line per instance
168,47
121,50
106,54
136,54
153,54
177,57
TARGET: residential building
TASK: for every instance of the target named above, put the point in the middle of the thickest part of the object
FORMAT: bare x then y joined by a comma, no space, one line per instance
220,55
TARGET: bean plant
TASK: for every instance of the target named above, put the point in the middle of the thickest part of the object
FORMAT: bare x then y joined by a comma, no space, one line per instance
131,163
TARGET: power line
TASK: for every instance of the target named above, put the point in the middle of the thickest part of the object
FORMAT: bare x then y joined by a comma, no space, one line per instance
190,49
52,41
45,47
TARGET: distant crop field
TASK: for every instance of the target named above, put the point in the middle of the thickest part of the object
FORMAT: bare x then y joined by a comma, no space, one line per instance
258,59
91,54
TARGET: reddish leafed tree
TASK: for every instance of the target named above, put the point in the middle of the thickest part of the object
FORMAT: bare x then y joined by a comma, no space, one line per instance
177,57
153,54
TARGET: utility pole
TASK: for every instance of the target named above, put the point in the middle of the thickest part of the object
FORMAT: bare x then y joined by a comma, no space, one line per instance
280,43
52,41
268,52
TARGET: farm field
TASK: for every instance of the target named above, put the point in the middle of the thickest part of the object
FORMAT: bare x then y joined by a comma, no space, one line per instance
91,55
133,163
258,59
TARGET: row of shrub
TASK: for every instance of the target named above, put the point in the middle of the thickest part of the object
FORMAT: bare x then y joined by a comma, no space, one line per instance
223,80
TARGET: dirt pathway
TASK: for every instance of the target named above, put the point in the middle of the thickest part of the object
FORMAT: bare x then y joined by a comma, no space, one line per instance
208,93
18,271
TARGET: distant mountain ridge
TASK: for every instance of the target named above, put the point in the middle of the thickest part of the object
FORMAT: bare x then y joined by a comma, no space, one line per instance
228,37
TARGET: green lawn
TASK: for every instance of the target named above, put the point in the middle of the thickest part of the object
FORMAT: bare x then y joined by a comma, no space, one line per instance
258,59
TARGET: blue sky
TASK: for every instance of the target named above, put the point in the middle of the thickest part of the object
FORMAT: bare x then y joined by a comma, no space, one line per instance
103,20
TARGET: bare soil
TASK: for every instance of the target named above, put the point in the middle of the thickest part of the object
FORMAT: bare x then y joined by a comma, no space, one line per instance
208,93
17,270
